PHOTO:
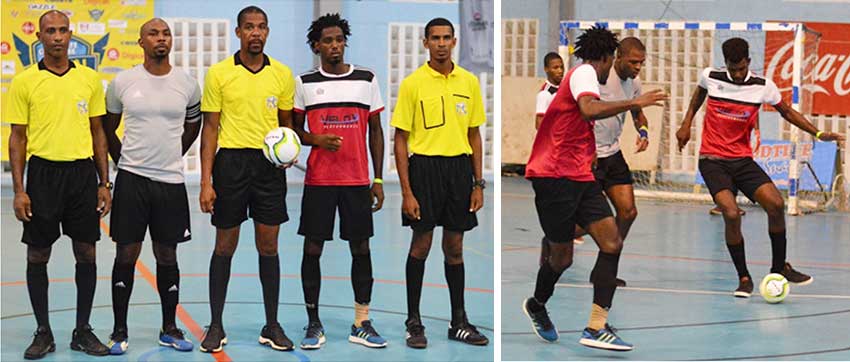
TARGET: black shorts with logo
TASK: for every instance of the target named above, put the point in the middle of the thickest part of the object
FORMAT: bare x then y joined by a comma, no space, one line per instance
247,184
612,170
742,174
139,203
562,204
61,193
442,186
319,205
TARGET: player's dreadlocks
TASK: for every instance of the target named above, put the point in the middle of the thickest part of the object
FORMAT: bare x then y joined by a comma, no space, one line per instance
596,43
314,33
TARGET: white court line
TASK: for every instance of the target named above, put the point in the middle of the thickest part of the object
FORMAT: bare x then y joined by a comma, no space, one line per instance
704,292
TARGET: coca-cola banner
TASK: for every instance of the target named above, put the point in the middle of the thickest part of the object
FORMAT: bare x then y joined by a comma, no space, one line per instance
831,73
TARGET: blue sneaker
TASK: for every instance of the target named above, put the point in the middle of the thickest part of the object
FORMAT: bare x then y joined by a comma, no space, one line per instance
540,321
367,336
314,338
605,338
118,342
174,338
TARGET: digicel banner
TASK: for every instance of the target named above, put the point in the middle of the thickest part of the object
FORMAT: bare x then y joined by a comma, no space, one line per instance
831,72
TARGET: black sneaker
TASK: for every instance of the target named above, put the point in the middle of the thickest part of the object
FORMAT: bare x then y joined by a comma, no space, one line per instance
415,337
273,336
214,339
794,276
83,339
467,333
745,288
42,344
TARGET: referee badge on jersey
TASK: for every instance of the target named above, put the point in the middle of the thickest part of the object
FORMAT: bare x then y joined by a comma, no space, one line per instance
83,107
271,102
460,108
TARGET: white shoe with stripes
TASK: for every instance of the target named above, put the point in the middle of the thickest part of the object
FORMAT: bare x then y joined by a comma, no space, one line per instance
605,338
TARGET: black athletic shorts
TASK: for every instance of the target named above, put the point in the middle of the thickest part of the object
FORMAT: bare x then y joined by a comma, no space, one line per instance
245,181
61,193
319,205
742,174
442,186
612,170
139,202
562,204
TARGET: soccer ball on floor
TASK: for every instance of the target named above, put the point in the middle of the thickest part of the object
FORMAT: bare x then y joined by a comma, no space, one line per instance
774,288
281,146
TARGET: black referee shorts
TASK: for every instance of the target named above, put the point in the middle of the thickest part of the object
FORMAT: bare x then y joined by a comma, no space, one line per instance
562,204
61,193
247,184
442,186
612,170
139,202
318,209
741,174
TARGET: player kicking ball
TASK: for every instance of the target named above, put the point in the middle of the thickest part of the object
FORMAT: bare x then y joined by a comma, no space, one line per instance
567,194
734,97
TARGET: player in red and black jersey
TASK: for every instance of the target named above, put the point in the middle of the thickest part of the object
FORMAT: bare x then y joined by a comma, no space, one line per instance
566,194
735,96
342,104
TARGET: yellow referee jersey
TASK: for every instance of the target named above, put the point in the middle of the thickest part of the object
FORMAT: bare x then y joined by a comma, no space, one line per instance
248,101
438,111
56,110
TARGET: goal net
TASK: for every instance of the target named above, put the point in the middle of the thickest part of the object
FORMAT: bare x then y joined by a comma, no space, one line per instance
676,53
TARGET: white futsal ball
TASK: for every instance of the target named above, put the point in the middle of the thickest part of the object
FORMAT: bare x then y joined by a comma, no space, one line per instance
774,288
281,146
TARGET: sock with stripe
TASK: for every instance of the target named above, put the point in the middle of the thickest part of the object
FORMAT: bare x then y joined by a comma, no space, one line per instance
168,285
123,276
361,283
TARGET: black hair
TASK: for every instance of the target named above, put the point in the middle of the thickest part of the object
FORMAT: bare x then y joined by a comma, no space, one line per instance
735,50
250,10
48,12
314,33
438,22
629,43
550,56
596,43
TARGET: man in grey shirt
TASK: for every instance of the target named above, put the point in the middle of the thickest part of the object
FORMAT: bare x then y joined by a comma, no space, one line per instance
162,112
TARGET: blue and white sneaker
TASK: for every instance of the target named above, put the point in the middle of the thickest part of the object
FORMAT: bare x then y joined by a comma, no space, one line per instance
118,342
540,322
605,338
314,338
367,336
174,338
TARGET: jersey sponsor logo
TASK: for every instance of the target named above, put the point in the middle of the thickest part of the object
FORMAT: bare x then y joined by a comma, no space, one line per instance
460,108
271,102
332,119
731,114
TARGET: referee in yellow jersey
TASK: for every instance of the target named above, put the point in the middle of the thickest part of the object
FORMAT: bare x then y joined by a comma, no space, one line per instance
55,109
245,96
436,118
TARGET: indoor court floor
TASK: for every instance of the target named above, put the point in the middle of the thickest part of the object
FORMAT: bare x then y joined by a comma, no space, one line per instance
678,304
243,314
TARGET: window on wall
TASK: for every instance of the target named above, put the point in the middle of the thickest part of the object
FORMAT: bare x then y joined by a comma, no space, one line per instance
406,55
198,44
519,47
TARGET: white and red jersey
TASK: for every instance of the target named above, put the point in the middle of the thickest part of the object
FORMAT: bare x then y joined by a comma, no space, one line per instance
339,104
545,96
732,112
565,144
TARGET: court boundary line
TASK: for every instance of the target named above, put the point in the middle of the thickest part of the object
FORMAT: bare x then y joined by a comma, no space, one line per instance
776,355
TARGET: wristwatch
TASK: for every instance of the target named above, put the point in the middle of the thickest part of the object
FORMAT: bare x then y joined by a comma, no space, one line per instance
106,184
482,183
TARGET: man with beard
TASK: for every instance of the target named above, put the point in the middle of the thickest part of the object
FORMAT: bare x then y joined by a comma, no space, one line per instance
162,112
245,96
